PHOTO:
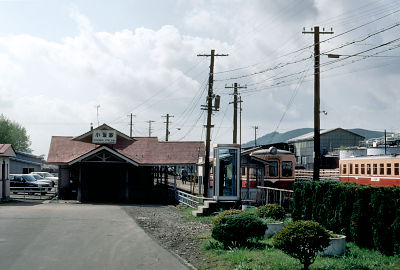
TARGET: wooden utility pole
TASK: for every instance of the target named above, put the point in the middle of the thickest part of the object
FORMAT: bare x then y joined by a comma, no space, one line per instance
317,138
131,124
150,121
235,87
255,135
240,121
210,96
167,126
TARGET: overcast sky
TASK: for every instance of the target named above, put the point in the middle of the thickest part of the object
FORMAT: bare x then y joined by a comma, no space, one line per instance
60,59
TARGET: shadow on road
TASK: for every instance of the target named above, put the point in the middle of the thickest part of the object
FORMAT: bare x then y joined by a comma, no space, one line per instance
21,202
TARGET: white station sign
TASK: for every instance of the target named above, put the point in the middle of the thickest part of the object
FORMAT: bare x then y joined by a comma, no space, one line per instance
104,137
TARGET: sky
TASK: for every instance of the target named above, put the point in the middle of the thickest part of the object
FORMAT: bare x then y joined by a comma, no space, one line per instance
67,64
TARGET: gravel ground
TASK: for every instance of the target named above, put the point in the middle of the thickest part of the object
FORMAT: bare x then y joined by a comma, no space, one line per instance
172,230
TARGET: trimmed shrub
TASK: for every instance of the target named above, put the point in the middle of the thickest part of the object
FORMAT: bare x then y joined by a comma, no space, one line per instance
360,221
274,211
383,216
237,230
225,213
367,215
396,234
302,240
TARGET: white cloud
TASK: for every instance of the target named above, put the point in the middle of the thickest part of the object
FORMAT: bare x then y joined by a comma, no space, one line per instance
52,88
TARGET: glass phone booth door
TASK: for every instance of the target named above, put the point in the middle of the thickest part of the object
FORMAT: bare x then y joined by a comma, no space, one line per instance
226,169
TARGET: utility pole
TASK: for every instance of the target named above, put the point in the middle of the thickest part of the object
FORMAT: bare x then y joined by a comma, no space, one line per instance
255,135
240,121
150,121
167,125
210,96
235,87
385,142
131,124
317,139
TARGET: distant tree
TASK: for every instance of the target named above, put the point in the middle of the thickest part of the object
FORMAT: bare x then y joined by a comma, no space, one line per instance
15,134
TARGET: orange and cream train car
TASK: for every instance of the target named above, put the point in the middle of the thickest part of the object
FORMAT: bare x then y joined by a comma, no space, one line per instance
371,170
278,169
278,172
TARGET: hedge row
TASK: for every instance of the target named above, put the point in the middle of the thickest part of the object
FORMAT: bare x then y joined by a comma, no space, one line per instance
368,216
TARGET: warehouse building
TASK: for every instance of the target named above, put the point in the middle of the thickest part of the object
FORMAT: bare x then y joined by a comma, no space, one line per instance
331,139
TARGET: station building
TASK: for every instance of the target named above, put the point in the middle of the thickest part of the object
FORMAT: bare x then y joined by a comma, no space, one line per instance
105,165
6,152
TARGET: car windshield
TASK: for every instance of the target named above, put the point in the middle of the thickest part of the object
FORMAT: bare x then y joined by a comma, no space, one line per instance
29,178
46,174
37,177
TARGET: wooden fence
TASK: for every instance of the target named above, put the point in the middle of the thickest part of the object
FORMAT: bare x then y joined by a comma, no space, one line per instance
324,174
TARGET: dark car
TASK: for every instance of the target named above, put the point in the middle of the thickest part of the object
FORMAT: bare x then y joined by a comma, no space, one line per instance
27,180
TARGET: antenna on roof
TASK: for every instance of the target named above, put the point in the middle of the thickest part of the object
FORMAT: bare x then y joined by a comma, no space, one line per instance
97,109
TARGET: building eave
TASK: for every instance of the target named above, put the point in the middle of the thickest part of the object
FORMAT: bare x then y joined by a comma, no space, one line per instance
94,151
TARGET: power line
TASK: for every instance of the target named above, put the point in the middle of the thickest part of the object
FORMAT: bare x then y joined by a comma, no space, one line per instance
304,48
159,91
192,127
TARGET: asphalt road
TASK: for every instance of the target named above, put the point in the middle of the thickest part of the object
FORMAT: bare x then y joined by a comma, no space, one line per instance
76,236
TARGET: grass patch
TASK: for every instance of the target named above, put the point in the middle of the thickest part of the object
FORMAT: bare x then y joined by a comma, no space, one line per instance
272,258
265,256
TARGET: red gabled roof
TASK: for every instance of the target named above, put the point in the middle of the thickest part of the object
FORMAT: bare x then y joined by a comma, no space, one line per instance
63,149
142,150
6,148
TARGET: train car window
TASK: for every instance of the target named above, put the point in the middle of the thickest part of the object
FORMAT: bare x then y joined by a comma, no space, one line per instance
388,168
344,171
396,169
362,168
287,168
351,168
273,168
381,169
375,169
355,168
368,168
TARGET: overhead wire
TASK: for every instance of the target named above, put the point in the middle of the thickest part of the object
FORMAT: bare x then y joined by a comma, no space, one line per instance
159,91
192,127
220,123
291,100
307,47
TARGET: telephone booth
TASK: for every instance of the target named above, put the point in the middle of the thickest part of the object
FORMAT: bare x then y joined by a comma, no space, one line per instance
227,172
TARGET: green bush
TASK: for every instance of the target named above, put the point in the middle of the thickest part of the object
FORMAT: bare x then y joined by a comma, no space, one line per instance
225,213
274,211
360,220
302,240
237,230
396,234
367,215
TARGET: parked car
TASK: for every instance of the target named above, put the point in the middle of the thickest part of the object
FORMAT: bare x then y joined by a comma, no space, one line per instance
47,175
40,178
28,180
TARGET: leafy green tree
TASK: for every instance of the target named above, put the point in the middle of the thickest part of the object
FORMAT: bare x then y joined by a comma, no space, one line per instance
15,134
